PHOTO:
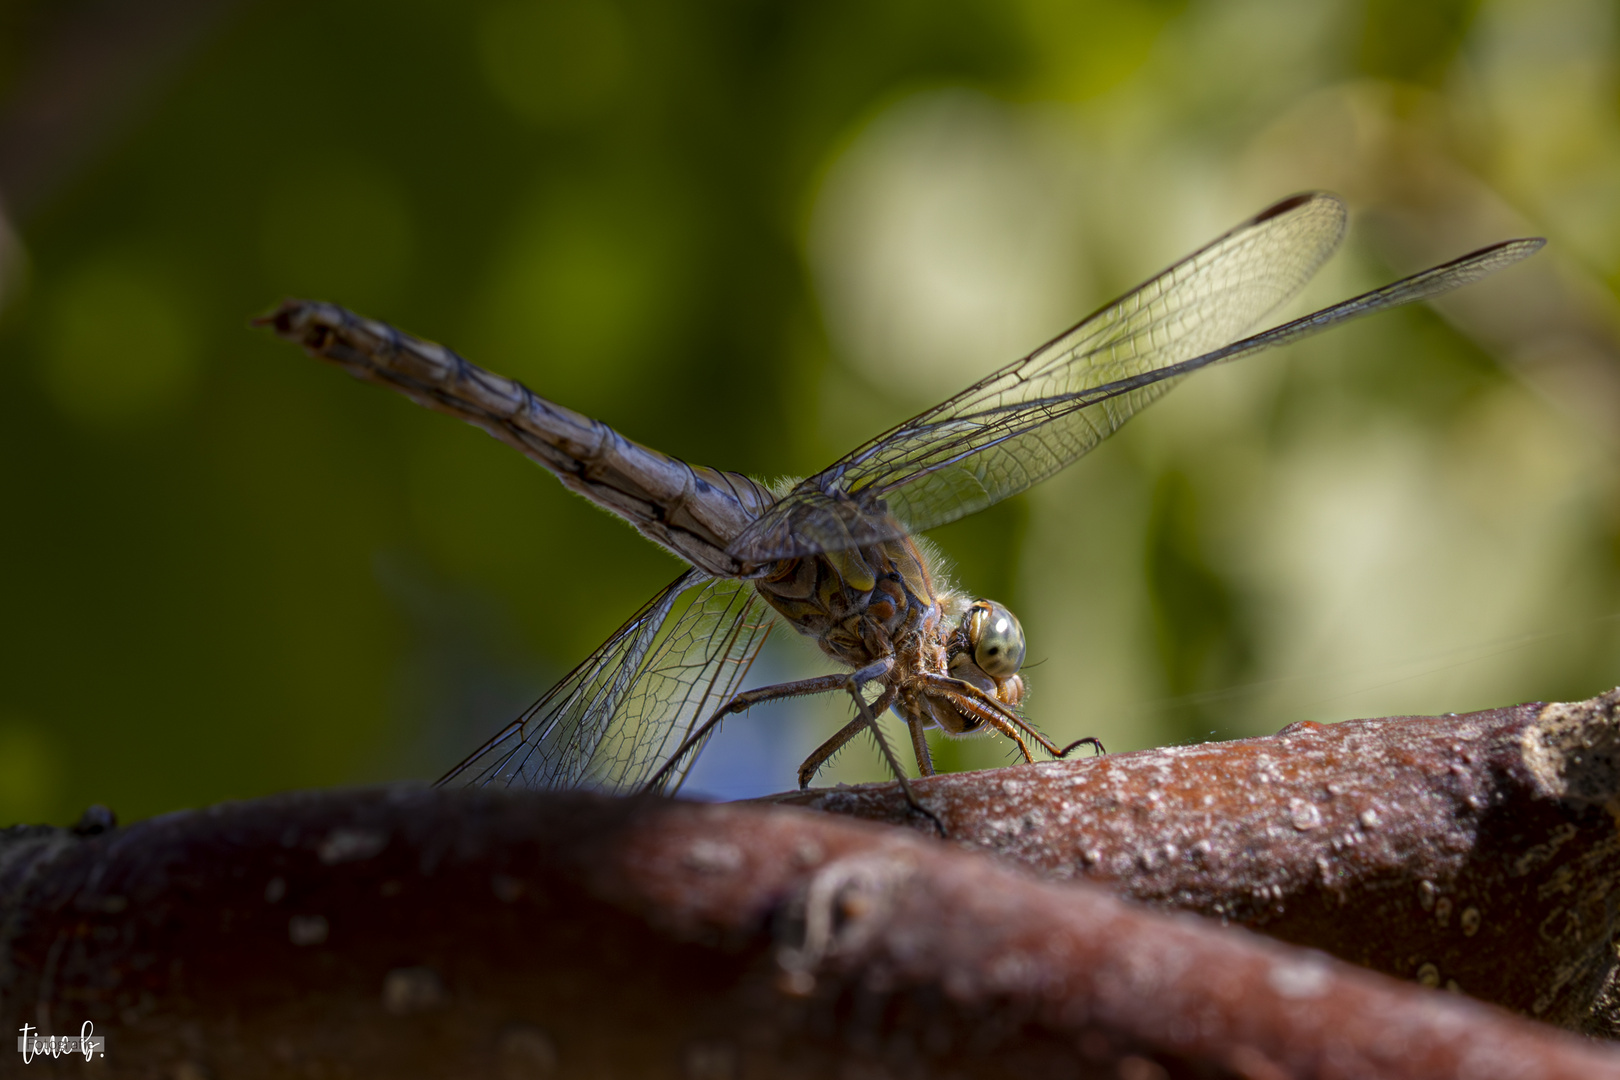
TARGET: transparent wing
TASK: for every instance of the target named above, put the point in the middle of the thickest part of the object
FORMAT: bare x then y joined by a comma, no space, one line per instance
615,720
1026,421
998,436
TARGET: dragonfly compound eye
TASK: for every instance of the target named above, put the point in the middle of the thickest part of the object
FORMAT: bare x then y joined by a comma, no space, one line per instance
996,638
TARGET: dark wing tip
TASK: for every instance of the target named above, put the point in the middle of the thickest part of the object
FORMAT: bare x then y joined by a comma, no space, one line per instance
1496,256
1514,250
1293,202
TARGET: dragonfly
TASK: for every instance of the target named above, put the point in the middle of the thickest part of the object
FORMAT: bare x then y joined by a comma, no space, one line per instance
835,556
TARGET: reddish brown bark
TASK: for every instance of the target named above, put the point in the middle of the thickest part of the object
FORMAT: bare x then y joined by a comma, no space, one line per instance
411,932
1477,851
430,933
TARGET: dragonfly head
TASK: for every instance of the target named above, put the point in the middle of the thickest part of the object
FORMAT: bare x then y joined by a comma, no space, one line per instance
986,651
994,638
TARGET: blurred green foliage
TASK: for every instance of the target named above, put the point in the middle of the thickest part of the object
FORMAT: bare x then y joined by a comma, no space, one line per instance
1196,617
234,572
1414,42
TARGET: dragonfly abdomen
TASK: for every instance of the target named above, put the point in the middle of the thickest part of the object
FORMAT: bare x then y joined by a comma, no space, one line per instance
694,511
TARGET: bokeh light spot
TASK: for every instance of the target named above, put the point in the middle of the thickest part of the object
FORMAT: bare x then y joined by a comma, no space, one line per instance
340,230
120,345
554,63
941,245
588,283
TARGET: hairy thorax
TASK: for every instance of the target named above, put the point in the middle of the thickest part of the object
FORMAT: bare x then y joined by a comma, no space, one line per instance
877,602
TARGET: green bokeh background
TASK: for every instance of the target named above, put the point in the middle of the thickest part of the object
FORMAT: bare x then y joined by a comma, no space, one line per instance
720,227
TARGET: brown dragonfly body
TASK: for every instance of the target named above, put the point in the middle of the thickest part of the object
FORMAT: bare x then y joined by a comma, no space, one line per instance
877,610
874,608
835,556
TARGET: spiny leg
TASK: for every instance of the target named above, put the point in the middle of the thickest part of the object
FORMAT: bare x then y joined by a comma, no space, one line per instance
919,745
996,721
970,699
821,684
866,717
888,755
824,752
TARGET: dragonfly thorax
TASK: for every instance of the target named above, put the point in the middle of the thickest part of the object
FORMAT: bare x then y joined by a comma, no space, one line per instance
878,602
863,604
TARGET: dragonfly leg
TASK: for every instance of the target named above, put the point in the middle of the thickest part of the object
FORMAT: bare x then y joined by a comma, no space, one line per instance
1011,732
919,744
976,703
824,752
869,717
840,739
865,718
1090,740
821,684
971,701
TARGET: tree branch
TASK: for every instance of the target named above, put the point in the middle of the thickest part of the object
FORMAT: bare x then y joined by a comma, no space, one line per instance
405,931
1474,851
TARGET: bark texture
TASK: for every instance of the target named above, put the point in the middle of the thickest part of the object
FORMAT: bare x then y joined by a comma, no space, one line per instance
1477,852
403,931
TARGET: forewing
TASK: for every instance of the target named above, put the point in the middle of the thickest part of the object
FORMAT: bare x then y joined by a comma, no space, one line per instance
619,716
1011,430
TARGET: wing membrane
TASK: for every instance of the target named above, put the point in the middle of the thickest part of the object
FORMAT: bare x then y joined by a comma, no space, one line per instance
618,716
1024,422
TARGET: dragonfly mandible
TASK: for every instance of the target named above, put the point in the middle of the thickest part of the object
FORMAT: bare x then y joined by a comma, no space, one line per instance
834,555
